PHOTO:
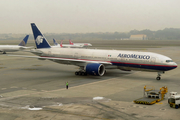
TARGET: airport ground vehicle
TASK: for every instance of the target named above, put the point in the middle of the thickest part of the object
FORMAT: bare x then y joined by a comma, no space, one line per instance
152,96
174,100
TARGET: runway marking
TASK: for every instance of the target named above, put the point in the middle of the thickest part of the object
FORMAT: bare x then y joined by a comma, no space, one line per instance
33,89
29,69
3,88
44,90
13,87
57,89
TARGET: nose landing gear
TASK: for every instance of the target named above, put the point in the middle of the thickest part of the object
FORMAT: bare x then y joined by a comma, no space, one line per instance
159,75
158,78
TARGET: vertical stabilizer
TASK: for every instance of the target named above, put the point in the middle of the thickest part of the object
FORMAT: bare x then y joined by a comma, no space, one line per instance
40,40
24,41
55,43
61,43
71,43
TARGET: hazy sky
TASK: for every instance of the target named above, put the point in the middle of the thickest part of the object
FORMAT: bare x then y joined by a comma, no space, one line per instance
81,16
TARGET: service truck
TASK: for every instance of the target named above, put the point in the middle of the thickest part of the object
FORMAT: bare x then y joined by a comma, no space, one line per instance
174,100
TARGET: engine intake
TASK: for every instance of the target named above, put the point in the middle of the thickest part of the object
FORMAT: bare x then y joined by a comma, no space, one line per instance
95,69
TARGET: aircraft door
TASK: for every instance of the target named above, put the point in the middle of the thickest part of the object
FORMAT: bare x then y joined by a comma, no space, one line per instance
76,55
153,60
122,59
49,53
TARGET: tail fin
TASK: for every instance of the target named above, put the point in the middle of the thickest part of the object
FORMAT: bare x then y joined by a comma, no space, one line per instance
61,43
24,41
55,43
71,43
40,40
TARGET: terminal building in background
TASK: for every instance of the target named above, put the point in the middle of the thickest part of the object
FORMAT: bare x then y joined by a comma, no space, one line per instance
138,37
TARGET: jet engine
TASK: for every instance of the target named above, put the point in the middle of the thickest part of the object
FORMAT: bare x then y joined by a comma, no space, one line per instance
95,69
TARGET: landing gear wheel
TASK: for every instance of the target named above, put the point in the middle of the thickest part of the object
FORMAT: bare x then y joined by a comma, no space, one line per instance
4,52
76,73
158,78
82,73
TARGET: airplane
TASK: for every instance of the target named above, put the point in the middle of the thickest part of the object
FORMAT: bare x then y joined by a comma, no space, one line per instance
80,44
14,48
64,45
71,45
95,62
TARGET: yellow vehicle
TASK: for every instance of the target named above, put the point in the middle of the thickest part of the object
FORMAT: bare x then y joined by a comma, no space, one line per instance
152,96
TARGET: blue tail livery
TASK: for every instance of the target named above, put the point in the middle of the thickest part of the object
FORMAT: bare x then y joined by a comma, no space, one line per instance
24,41
55,43
40,40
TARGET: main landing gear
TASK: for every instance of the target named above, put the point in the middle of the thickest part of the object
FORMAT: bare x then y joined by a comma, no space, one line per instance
159,75
82,73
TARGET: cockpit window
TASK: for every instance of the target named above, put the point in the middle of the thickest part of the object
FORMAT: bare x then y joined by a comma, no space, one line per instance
169,61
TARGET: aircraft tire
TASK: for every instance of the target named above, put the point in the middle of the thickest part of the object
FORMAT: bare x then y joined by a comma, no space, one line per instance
4,52
82,73
76,73
158,78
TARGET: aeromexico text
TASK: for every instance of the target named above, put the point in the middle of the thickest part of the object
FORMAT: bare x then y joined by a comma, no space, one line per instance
134,56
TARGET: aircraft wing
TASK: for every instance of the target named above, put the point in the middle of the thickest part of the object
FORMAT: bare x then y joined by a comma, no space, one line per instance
78,62
23,47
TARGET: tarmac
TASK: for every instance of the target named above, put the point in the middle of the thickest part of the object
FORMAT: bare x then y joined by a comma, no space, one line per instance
28,84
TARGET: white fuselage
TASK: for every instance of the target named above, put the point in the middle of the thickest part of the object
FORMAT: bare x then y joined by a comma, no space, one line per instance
126,60
10,48
83,44
78,45
66,46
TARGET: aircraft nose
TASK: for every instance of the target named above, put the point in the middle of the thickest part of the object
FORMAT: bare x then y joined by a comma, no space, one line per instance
175,65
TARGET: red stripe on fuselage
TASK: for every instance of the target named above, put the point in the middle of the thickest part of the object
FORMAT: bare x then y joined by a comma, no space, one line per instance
114,62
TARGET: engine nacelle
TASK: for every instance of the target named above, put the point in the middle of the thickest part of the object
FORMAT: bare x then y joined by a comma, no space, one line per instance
95,69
